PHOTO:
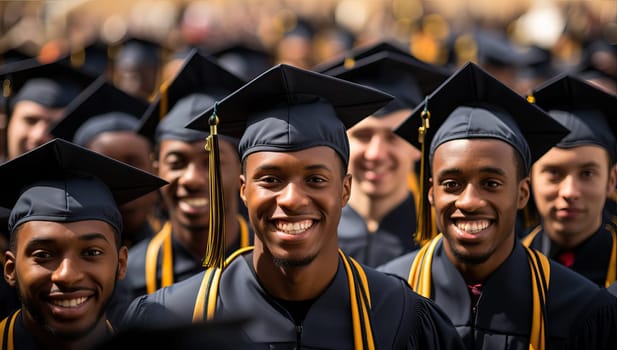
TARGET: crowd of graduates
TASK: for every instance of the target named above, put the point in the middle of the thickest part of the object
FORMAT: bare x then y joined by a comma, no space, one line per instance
322,188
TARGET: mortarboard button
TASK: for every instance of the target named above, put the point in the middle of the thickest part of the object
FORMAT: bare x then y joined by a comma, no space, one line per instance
349,58
587,111
474,104
63,182
407,79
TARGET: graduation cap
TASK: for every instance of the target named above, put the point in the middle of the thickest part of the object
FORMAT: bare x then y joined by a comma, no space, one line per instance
349,58
62,182
136,50
285,109
52,85
474,104
93,58
13,55
246,61
101,107
496,49
589,113
407,79
198,84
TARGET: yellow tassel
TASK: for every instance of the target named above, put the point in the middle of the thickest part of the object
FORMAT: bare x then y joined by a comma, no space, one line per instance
164,102
215,250
425,226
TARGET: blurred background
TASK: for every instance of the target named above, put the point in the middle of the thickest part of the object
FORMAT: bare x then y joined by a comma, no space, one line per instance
533,36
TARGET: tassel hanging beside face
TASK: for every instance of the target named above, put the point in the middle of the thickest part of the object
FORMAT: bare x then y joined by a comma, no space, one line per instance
215,250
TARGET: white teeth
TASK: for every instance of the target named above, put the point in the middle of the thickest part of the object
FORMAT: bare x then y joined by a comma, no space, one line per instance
69,302
294,227
196,202
472,226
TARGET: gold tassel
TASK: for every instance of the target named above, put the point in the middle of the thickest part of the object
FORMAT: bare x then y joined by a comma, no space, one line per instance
164,102
425,226
215,250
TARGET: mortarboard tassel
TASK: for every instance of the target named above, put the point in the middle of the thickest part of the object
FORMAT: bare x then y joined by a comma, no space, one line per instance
215,250
425,227
164,101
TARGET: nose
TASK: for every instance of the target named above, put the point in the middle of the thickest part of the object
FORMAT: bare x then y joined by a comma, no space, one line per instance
569,188
376,148
194,176
292,196
67,272
470,199
39,134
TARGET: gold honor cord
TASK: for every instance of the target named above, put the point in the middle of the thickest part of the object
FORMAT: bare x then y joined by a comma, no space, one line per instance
7,340
162,239
358,294
420,281
611,273
215,249
540,279
424,212
531,236
420,272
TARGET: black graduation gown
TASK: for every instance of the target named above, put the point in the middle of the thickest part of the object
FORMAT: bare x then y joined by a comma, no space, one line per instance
576,307
393,238
9,300
401,319
613,288
185,265
591,258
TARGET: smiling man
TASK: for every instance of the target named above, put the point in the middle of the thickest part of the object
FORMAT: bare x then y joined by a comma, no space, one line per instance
176,251
295,286
65,252
483,139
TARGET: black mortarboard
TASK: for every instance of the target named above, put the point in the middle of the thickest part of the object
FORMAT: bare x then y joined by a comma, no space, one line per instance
62,182
474,104
137,50
285,109
197,85
246,61
408,80
589,113
93,58
101,107
288,109
51,85
496,49
13,55
349,58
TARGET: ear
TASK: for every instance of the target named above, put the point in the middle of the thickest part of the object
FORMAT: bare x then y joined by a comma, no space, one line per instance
612,180
346,190
155,166
243,188
524,191
9,268
430,192
123,254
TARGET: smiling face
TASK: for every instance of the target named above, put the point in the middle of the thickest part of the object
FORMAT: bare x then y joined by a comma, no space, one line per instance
380,160
185,166
476,193
294,201
570,187
65,274
28,126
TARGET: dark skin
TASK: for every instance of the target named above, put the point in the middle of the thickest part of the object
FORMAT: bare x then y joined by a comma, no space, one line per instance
476,191
294,200
65,274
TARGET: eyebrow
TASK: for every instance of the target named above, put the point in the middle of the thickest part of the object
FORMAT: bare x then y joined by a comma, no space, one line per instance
308,167
85,238
484,170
